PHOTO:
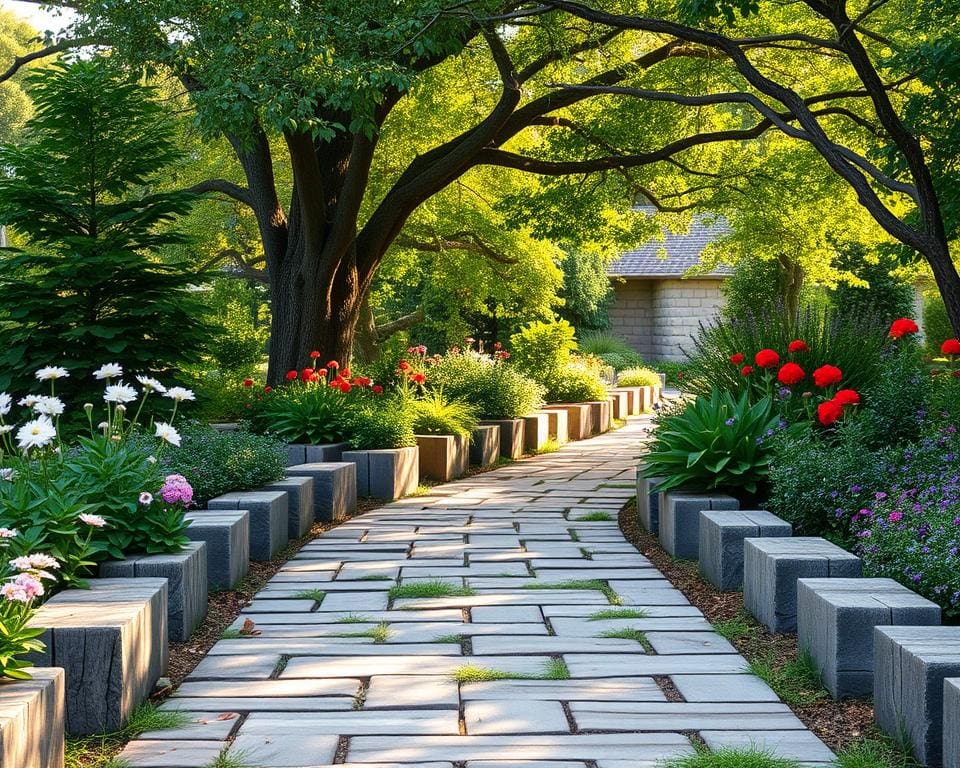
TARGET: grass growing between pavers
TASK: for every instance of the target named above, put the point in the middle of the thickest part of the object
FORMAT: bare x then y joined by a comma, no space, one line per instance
730,758
629,634
230,758
379,634
594,517
353,618
551,446
311,594
601,586
99,750
619,613
796,680
735,628
457,639
554,669
429,589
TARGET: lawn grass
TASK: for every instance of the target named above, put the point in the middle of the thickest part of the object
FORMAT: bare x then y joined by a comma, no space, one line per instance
601,586
619,613
551,446
738,627
448,639
353,618
429,589
796,681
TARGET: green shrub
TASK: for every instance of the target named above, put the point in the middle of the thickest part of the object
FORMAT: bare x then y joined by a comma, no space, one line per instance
576,384
945,393
936,323
621,360
715,443
436,415
542,350
221,395
884,296
757,286
496,389
383,422
614,351
638,377
219,462
301,412
895,406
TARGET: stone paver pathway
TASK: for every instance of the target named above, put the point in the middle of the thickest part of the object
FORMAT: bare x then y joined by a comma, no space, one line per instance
351,666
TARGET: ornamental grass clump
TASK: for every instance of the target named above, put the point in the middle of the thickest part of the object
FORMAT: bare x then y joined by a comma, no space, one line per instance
638,377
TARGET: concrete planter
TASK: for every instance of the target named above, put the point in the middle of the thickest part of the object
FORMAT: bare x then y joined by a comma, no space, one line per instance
722,533
299,492
511,436
334,488
679,519
31,720
648,502
111,641
579,419
387,473
443,457
536,431
634,399
268,519
557,425
305,453
226,533
187,584
485,445
601,412
621,404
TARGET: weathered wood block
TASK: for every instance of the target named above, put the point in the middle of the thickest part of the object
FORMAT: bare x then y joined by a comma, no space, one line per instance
579,419
387,473
557,428
226,532
600,416
721,542
299,490
305,453
511,436
648,502
910,665
268,519
485,445
771,568
536,431
443,457
621,403
835,621
634,399
951,721
111,641
334,488
32,720
679,519
187,584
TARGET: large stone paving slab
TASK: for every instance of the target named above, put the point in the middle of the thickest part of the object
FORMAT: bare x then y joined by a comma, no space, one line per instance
492,671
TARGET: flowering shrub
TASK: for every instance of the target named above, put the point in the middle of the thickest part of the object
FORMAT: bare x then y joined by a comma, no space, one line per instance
945,383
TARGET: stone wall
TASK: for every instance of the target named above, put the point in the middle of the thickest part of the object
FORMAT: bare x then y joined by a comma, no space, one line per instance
657,317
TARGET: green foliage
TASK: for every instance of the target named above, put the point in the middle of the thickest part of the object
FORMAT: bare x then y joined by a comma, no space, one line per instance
16,638
896,404
719,442
302,413
236,311
586,292
638,377
219,462
619,613
576,383
884,296
876,753
221,395
542,350
945,392
421,589
434,414
796,680
91,227
731,758
497,390
613,350
379,422
936,323
757,286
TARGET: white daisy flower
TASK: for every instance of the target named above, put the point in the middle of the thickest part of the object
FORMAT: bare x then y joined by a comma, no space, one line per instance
4,428
92,520
151,385
36,433
49,406
9,533
168,433
52,372
6,403
180,394
119,393
29,401
108,371
146,498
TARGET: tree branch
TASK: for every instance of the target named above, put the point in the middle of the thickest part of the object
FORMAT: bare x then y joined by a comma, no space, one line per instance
21,61
224,187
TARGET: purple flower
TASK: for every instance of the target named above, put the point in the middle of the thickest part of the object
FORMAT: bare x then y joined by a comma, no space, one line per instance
730,422
176,490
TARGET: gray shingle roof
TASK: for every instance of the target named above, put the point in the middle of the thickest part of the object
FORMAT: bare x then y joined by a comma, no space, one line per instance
675,253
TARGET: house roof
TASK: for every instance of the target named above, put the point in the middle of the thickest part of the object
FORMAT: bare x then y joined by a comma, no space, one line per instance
675,253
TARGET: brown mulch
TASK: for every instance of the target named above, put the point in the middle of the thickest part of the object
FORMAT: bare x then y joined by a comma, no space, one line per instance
837,723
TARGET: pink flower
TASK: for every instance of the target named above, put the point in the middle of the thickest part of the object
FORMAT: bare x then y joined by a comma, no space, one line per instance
8,533
896,517
176,490
93,520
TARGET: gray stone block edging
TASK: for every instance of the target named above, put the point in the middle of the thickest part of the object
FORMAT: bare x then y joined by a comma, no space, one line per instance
679,519
722,533
485,445
304,453
951,721
771,568
386,473
910,666
299,490
334,488
835,621
32,720
268,519
111,641
226,532
648,502
187,584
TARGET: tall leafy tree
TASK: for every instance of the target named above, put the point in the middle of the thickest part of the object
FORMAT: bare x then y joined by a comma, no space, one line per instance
84,285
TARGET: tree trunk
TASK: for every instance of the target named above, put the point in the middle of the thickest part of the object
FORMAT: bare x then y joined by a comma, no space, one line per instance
948,281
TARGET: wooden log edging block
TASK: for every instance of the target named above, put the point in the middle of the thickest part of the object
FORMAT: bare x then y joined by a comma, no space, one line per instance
600,415
485,445
334,488
226,532
187,584
771,568
268,519
32,720
621,403
557,427
835,621
722,533
386,473
679,519
111,641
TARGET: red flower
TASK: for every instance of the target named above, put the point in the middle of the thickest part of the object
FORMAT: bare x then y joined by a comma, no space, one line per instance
746,370
345,373
418,378
291,375
902,327
956,374
307,373
361,381
767,358
377,389
333,364
827,375
314,354
829,411
847,397
248,382
404,365
497,345
501,354
737,358
950,347
345,387
322,372
790,374
268,388
797,345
